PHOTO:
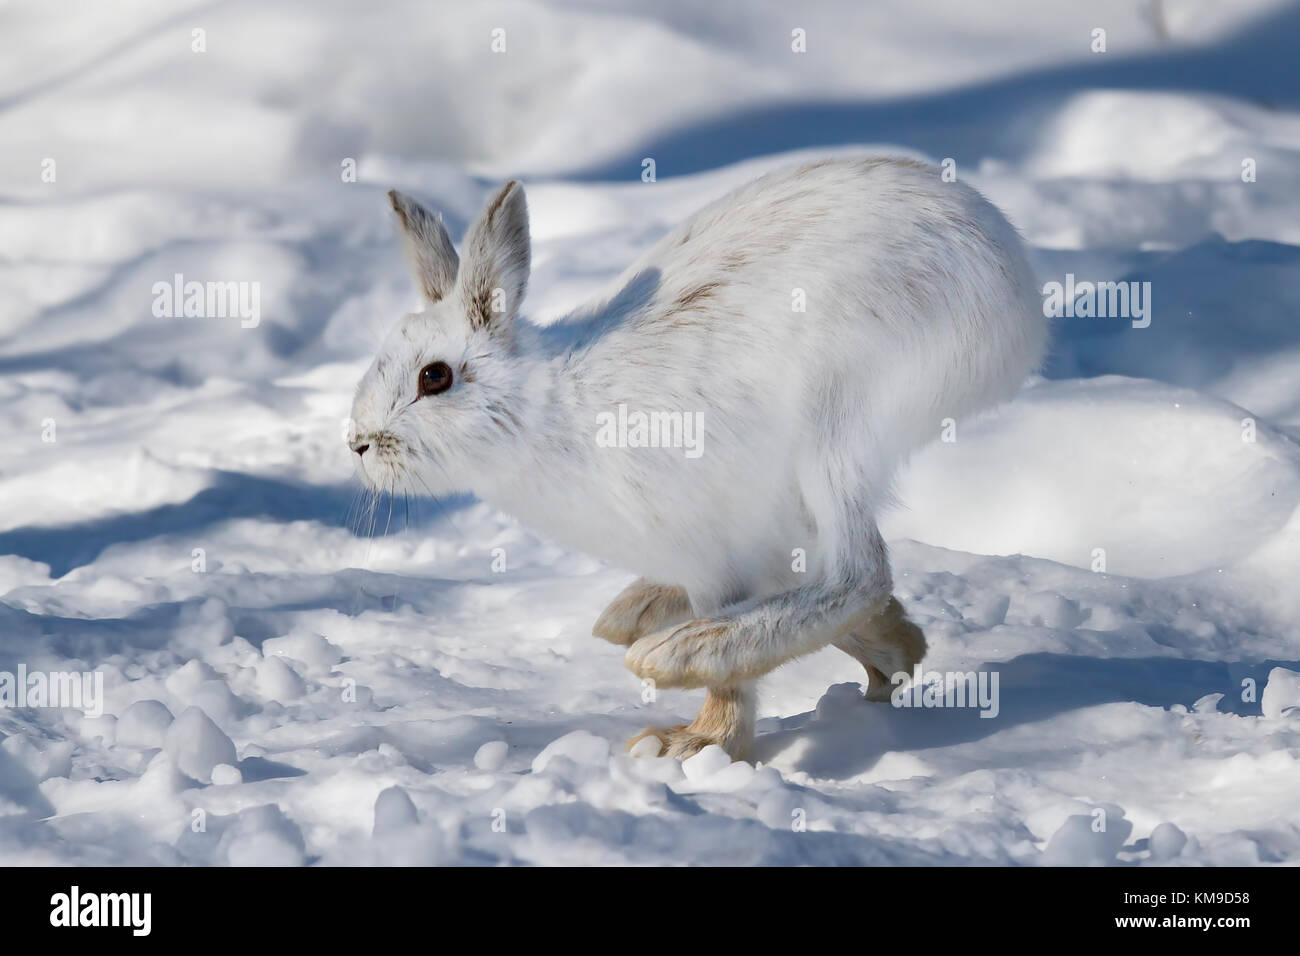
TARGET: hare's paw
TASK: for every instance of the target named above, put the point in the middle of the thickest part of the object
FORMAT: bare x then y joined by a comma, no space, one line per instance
639,609
689,655
679,741
886,645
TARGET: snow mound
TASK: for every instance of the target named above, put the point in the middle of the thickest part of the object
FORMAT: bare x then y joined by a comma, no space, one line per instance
1109,470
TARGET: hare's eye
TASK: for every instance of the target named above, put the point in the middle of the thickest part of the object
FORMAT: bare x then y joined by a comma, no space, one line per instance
434,378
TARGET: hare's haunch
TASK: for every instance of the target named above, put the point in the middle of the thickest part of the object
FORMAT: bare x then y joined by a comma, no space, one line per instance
725,419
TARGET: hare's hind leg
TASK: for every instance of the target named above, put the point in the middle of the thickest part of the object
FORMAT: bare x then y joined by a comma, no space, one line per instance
726,719
639,609
885,645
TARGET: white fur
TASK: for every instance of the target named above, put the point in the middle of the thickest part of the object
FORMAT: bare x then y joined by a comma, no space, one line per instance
920,307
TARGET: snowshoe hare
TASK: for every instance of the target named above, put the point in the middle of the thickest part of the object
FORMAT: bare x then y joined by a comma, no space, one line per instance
726,420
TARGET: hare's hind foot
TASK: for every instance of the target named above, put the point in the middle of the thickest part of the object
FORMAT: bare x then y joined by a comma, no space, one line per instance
726,719
885,645
639,609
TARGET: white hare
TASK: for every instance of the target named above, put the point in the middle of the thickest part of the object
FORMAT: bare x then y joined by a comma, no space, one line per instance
813,327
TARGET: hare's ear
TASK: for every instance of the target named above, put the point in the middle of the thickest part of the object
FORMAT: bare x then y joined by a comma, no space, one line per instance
433,258
497,259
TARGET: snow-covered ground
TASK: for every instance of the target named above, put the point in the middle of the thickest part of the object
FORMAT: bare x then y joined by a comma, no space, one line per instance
1120,546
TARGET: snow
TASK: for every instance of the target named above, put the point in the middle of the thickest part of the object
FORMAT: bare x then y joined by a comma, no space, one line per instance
709,762
394,811
225,775
197,745
143,724
1088,840
293,677
1281,694
492,755
579,747
1166,842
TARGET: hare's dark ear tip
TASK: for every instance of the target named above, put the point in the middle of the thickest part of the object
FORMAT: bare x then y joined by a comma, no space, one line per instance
402,206
513,193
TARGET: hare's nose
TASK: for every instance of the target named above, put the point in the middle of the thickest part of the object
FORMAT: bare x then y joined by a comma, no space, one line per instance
359,446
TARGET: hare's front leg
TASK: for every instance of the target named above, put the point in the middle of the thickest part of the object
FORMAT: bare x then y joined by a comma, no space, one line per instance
743,641
885,645
746,640
753,638
641,608
726,719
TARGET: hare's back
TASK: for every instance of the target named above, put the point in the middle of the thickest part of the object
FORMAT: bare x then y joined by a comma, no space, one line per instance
843,261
